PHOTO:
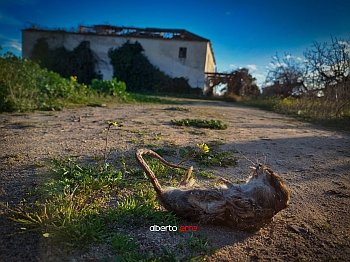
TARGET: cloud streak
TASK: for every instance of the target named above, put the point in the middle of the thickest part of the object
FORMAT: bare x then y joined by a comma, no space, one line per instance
16,46
275,65
10,44
252,67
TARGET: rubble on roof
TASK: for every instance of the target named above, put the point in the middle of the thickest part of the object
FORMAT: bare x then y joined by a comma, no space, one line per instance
134,32
146,32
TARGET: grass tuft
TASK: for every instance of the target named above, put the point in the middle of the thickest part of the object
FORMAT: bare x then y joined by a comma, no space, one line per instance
211,124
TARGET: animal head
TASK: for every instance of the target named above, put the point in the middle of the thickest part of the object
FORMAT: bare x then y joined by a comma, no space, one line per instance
267,177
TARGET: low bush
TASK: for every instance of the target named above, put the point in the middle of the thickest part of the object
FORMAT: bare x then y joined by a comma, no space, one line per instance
24,86
110,88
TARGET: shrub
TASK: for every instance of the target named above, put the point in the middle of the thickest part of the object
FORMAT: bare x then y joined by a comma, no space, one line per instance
110,87
24,86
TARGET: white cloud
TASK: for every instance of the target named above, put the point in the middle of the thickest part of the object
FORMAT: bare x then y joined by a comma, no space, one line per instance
233,66
274,65
343,43
16,46
288,57
299,58
11,44
282,65
252,67
259,75
346,46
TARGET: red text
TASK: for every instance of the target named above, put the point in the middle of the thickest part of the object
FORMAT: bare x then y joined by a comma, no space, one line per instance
188,228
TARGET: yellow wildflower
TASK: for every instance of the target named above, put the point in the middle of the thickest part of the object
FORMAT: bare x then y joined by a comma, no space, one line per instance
203,147
112,123
74,78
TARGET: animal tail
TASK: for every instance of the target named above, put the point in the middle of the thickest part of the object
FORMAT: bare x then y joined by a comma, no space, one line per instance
157,187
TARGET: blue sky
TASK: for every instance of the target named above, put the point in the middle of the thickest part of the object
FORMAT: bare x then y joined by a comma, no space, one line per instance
243,33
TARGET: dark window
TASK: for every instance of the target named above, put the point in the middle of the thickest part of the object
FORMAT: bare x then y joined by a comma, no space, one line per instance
182,52
85,44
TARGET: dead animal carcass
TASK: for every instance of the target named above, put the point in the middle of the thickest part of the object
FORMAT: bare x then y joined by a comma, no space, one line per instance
246,206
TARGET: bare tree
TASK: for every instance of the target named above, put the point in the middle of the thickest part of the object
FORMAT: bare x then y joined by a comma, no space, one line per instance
328,68
286,77
322,81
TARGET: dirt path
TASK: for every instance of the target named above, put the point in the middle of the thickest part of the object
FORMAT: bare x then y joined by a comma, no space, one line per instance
314,162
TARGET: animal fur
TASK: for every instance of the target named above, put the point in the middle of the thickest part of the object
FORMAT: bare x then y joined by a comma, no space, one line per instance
244,206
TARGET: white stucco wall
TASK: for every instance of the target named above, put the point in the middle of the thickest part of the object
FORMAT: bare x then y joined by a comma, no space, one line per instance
163,53
209,66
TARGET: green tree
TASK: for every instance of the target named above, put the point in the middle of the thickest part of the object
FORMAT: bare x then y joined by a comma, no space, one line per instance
241,83
131,66
80,62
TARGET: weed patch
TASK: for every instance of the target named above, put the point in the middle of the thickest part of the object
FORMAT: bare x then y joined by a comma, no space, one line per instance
212,124
73,208
209,158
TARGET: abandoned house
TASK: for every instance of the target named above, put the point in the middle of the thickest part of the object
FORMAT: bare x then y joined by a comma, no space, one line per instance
178,53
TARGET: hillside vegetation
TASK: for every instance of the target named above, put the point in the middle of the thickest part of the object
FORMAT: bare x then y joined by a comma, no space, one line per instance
25,86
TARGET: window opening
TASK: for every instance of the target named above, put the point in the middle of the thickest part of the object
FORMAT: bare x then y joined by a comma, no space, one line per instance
182,52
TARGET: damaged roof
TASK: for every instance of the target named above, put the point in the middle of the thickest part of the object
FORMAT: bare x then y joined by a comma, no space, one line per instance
145,32
109,30
178,34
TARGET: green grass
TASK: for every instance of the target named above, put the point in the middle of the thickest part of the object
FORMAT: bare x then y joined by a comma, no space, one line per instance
266,103
205,174
212,158
311,109
211,124
80,204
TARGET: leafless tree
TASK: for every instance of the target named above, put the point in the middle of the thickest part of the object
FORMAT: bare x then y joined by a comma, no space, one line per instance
286,76
328,68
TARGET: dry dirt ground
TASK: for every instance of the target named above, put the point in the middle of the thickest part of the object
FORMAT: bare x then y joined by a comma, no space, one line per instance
314,162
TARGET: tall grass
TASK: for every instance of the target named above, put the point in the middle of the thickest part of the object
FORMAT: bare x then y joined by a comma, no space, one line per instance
314,109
